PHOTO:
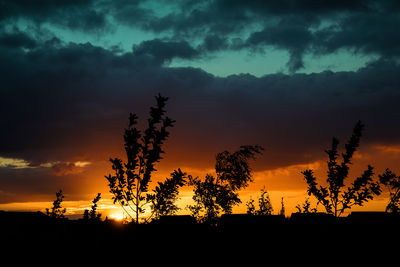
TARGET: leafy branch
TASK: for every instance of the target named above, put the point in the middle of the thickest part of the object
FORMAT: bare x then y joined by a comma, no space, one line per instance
392,183
93,214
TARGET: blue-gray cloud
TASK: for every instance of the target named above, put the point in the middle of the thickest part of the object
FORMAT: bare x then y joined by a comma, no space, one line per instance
298,27
165,51
62,100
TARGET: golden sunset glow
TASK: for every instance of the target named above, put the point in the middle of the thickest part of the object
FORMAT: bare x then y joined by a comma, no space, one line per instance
117,216
286,182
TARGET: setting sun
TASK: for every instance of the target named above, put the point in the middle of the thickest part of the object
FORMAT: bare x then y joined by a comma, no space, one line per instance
117,216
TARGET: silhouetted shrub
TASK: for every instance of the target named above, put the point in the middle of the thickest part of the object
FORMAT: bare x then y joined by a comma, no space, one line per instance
264,204
93,215
334,199
306,207
57,211
165,195
214,195
392,183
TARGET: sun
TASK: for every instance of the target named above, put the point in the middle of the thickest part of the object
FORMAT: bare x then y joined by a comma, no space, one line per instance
117,216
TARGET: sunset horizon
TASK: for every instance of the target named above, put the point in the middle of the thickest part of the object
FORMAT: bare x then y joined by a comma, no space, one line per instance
286,76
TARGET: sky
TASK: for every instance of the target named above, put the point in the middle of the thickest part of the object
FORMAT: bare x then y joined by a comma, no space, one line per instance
287,75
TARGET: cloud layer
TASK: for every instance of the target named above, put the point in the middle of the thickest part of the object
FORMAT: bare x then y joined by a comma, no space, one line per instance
200,28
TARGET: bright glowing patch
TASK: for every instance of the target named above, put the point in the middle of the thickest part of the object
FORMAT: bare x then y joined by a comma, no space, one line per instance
14,163
82,163
117,216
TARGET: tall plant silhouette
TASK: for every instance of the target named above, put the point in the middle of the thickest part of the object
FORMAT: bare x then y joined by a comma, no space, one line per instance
333,196
306,207
93,215
392,182
57,211
214,195
264,205
129,184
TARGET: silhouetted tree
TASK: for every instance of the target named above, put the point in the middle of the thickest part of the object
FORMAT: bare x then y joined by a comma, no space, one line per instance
334,199
93,214
392,183
166,193
129,184
264,204
57,211
211,197
219,194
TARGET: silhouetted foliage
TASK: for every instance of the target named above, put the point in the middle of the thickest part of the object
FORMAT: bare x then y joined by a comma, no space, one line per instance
211,197
392,183
264,204
166,193
93,214
306,207
282,211
332,197
129,184
57,211
219,194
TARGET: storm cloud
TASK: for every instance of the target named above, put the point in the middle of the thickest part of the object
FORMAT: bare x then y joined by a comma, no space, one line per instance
298,27
70,98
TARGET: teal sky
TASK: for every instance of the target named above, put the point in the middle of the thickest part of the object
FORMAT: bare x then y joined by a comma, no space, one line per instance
221,63
263,49
272,61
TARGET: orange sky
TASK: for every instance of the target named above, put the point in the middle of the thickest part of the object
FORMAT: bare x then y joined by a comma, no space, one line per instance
286,182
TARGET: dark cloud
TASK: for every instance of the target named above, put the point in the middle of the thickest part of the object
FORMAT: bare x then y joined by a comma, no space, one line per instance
165,51
298,27
63,103
361,33
213,43
40,183
75,14
66,168
17,39
367,28
129,12
291,35
295,6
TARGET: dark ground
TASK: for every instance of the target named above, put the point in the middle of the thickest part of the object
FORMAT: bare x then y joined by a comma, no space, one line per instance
237,237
